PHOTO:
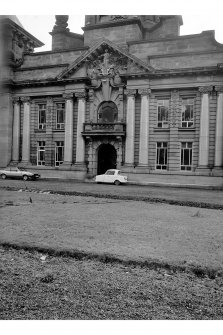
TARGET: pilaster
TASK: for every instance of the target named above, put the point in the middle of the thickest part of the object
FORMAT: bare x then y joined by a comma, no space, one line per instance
68,139
80,143
218,165
204,129
144,128
26,131
16,129
130,128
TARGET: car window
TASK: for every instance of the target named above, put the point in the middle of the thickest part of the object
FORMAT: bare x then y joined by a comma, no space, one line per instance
110,173
118,172
14,169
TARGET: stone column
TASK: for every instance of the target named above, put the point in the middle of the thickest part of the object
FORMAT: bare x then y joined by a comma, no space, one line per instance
130,128
68,139
26,131
16,130
219,129
204,128
80,143
144,128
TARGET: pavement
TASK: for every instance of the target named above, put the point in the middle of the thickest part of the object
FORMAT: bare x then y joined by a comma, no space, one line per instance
183,196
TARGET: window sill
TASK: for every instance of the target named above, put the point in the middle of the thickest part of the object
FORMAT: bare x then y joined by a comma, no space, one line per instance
58,130
161,129
40,130
186,129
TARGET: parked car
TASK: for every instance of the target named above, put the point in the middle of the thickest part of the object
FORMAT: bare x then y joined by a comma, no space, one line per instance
112,176
14,172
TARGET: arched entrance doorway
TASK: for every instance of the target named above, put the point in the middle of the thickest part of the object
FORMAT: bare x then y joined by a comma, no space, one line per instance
107,158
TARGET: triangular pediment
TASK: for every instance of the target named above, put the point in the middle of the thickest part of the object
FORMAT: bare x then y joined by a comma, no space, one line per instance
105,58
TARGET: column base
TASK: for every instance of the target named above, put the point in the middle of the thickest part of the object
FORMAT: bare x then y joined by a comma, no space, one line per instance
14,163
142,169
203,170
79,166
128,167
217,171
65,166
24,163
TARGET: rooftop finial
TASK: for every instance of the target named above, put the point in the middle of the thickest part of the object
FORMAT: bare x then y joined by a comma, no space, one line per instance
61,23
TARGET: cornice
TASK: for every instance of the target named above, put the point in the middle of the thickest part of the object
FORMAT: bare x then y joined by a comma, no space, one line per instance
13,25
57,51
108,24
175,38
188,53
41,67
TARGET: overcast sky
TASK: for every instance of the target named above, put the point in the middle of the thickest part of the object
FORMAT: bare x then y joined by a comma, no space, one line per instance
39,19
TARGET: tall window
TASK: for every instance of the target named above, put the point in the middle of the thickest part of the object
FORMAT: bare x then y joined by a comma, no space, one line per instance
186,156
42,116
60,108
162,109
107,112
41,153
59,153
161,155
187,113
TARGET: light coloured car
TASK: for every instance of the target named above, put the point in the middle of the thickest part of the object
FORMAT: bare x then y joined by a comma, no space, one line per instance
111,176
14,172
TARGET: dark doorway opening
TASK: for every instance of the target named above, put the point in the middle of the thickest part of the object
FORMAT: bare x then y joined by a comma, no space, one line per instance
107,158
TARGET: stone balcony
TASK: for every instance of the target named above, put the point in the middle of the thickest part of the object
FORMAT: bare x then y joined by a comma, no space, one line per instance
104,129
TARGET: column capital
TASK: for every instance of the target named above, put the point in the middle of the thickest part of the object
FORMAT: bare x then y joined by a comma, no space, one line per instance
25,99
81,94
219,89
49,100
144,91
68,96
15,100
130,92
205,89
174,94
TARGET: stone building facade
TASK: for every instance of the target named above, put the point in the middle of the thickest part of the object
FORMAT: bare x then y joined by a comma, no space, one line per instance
129,93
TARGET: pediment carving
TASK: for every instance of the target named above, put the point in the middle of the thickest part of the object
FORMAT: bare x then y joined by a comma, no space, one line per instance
106,60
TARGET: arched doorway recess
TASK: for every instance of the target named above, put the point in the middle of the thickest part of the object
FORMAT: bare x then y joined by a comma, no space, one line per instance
107,158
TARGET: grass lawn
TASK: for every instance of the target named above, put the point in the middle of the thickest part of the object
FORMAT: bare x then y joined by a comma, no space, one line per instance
126,229
64,288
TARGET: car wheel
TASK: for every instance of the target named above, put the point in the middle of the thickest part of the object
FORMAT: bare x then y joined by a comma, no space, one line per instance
25,177
117,182
3,176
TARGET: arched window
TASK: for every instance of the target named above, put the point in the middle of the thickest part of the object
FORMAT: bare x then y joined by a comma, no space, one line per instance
107,112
